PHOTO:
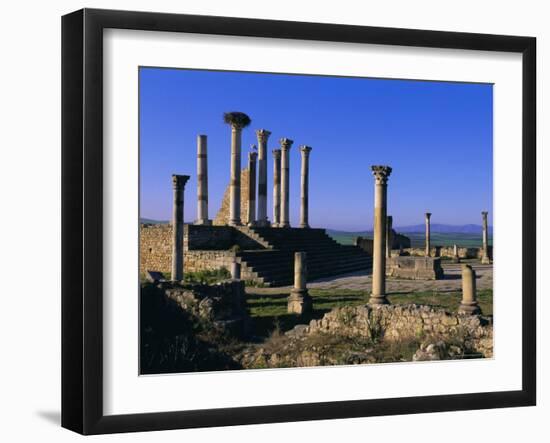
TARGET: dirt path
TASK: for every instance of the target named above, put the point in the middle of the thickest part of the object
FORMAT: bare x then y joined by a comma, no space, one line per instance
361,281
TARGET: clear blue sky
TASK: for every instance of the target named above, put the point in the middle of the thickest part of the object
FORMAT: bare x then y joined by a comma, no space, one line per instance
437,137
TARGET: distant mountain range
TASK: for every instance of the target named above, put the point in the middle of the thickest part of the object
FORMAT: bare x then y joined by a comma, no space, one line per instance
436,228
444,229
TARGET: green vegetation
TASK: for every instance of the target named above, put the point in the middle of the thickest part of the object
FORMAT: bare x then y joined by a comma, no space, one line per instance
207,277
464,240
202,277
268,309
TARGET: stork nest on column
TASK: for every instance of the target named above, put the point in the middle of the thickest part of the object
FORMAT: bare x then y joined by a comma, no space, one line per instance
238,119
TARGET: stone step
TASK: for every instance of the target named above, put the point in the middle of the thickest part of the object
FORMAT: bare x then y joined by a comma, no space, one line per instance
325,256
312,257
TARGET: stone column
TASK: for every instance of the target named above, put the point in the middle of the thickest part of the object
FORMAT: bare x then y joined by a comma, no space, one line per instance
304,185
456,258
178,185
299,301
235,180
263,136
469,304
235,269
276,187
389,236
428,243
485,252
285,182
202,182
378,296
251,206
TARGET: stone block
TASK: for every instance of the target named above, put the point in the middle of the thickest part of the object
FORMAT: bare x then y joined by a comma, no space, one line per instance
414,268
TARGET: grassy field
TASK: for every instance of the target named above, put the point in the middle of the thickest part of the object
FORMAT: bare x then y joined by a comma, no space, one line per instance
417,239
268,308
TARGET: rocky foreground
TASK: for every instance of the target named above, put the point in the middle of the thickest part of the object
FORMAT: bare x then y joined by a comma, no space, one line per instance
188,328
362,334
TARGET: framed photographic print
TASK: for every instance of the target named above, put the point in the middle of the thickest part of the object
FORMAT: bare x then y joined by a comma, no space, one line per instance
268,221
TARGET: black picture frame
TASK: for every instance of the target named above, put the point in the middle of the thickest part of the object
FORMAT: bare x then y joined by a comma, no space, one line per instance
82,215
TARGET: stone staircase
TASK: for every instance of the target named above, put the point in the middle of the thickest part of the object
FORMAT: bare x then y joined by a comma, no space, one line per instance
274,266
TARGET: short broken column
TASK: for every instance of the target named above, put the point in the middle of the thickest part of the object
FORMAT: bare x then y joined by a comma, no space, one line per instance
485,251
263,136
378,295
304,184
286,143
389,236
428,242
469,304
276,188
299,301
456,258
235,269
178,186
251,205
202,182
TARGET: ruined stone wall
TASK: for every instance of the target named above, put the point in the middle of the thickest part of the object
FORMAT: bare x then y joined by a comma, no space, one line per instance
448,251
222,217
155,248
205,247
401,322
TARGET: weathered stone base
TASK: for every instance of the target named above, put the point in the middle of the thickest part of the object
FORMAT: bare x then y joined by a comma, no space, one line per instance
203,223
299,302
485,260
414,268
469,309
378,300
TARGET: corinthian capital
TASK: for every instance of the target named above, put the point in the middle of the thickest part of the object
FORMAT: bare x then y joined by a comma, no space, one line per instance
305,150
381,174
286,143
179,181
276,154
263,135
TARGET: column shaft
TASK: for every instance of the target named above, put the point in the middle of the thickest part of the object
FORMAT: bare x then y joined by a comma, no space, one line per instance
276,187
263,136
428,241
485,252
202,181
389,236
178,186
304,186
285,182
251,206
381,174
469,304
235,183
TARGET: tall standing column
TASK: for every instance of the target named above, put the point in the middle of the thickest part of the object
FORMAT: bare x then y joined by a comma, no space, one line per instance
389,237
378,296
178,186
469,304
285,182
202,182
276,188
304,185
251,206
238,121
263,136
428,242
485,253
